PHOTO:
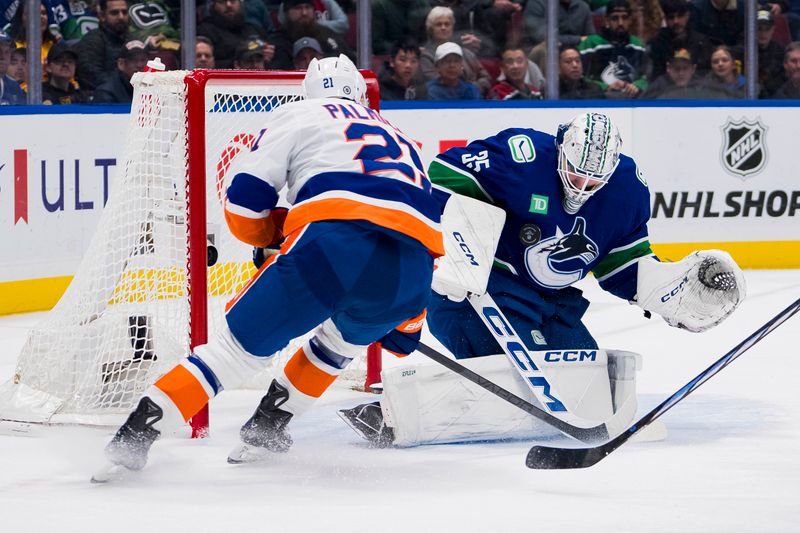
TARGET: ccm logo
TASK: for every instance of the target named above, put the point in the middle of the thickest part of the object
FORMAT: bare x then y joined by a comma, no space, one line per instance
675,291
464,248
571,356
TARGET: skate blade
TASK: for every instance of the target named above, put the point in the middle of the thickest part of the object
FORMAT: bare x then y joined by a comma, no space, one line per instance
245,453
110,472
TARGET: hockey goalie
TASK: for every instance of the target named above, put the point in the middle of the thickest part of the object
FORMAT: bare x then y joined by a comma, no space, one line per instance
503,299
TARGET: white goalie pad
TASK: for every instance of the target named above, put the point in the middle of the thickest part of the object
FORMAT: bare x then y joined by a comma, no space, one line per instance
427,404
471,230
696,293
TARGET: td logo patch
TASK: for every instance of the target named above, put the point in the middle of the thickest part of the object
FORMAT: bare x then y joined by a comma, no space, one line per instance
538,204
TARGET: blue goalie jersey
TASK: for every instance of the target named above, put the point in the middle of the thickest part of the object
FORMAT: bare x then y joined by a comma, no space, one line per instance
546,247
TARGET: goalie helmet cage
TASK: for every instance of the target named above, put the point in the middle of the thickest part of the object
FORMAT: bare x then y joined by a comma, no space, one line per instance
130,313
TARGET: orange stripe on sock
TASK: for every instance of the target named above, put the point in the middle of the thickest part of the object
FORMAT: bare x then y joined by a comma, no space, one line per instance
306,377
184,390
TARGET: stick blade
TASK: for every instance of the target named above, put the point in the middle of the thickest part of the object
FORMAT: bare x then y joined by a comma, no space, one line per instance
549,458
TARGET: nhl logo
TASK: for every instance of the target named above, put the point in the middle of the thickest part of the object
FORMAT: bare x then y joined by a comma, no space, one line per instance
744,152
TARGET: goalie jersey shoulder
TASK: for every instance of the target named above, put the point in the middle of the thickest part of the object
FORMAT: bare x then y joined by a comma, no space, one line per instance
517,171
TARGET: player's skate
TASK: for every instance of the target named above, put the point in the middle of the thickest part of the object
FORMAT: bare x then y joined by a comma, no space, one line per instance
128,449
265,432
367,421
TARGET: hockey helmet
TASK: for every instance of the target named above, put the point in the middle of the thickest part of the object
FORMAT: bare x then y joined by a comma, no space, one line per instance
335,77
588,154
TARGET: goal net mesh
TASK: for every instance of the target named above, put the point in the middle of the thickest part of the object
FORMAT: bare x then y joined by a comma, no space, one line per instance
125,318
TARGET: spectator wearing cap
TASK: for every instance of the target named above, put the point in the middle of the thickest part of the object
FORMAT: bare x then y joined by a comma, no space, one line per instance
394,21
724,73
249,55
614,58
60,87
676,35
227,28
450,84
678,82
790,90
440,28
204,53
10,91
327,12
301,22
304,50
770,55
99,49
118,89
514,67
572,84
722,21
401,78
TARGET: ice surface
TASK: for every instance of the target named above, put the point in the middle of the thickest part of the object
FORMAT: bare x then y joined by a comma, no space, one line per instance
729,464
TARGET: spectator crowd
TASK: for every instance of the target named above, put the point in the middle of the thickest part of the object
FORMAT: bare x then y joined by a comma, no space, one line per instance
422,49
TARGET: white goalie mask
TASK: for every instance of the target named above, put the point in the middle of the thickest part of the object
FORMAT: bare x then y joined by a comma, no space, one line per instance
588,154
335,77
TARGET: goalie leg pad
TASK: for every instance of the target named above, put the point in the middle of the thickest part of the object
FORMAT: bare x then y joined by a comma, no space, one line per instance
426,404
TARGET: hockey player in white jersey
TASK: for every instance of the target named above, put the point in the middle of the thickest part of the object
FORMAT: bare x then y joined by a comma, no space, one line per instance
357,260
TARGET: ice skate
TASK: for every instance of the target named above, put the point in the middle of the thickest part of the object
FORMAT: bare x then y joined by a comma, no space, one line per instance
367,421
265,432
128,450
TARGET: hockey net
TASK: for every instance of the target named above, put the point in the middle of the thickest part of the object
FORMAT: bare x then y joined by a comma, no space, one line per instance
130,312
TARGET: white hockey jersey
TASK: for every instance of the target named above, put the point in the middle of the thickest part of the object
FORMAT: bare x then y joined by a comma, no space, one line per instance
339,161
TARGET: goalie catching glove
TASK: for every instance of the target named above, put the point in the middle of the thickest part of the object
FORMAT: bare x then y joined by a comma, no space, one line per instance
695,293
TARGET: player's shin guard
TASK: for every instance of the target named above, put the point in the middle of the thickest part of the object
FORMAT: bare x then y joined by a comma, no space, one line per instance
184,390
315,366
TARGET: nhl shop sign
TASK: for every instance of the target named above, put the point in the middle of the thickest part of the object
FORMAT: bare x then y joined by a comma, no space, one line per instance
744,152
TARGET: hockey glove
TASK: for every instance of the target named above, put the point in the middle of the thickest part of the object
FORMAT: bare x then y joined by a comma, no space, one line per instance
404,339
695,293
278,216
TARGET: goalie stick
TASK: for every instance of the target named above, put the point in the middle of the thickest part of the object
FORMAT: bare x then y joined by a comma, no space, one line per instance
586,435
551,458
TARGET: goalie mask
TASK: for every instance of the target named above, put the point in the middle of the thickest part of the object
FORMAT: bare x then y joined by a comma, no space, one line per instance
588,154
335,77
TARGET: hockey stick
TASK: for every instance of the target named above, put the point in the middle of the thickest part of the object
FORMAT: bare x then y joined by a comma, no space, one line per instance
586,435
520,357
548,458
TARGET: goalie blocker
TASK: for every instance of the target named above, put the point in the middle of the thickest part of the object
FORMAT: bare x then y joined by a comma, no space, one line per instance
427,404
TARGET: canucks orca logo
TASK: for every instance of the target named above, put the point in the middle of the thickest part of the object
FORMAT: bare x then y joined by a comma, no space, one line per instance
621,69
544,258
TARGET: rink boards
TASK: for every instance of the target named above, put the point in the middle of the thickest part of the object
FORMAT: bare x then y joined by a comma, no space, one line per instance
720,177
